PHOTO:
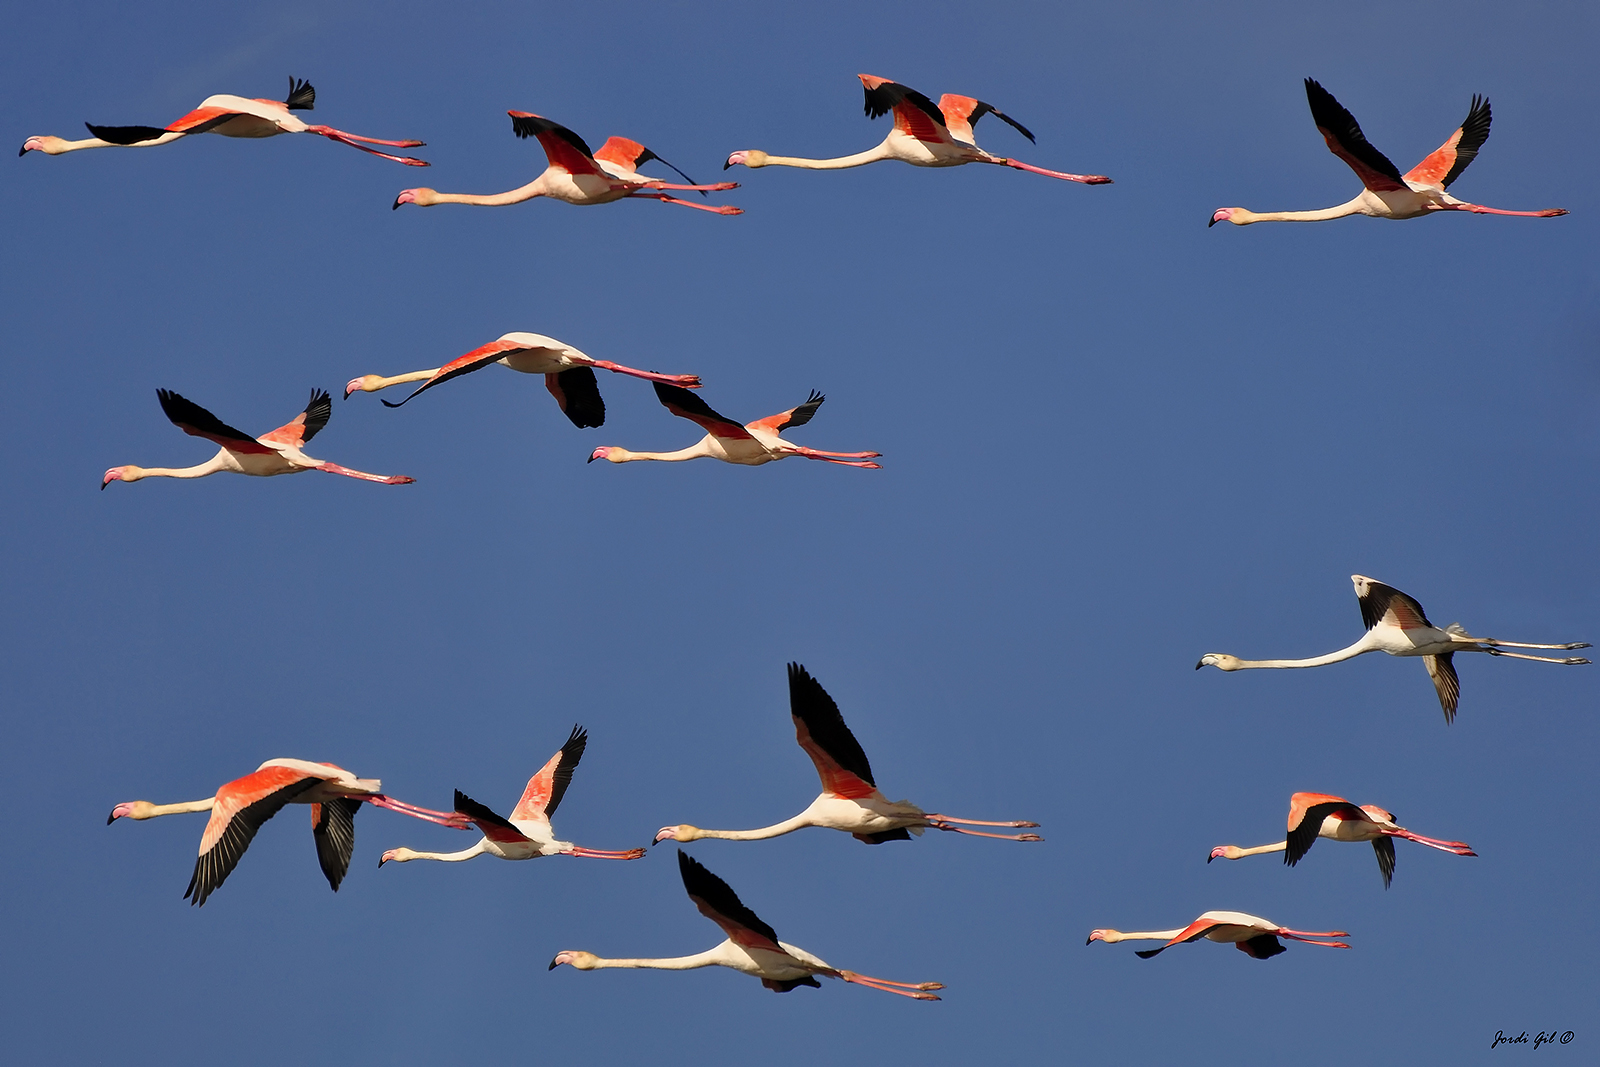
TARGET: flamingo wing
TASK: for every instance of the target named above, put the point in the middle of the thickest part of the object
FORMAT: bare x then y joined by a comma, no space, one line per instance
196,421
579,396
241,807
493,826
477,359
302,97
1385,604
1261,947
631,155
1345,140
684,404
820,729
333,827
562,147
1312,809
795,416
125,135
1384,847
545,789
1442,670
961,113
718,902
1193,932
914,113
304,426
1446,163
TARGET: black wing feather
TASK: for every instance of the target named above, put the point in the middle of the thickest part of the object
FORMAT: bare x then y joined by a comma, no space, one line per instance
212,868
318,411
811,704
1147,953
702,885
1375,605
578,393
881,101
526,126
989,109
302,97
647,155
1302,837
688,400
1331,115
1474,131
802,414
478,813
126,135
898,834
183,412
335,835
1263,947
1384,847
571,753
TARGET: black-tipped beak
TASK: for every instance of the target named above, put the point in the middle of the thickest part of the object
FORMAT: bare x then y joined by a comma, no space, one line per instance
396,205
1202,663
24,151
380,861
1089,940
103,486
591,459
552,966
111,818
725,166
1209,857
1210,224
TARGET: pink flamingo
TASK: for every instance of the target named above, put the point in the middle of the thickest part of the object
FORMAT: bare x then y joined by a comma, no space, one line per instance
1254,936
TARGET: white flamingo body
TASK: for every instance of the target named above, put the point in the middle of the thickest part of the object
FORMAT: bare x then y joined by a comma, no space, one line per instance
1251,934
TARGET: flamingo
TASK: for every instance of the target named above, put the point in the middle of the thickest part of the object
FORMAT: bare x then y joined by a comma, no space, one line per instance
752,946
924,135
231,116
568,374
277,452
1386,193
1254,936
1397,625
578,175
1314,815
752,444
850,799
527,834
240,807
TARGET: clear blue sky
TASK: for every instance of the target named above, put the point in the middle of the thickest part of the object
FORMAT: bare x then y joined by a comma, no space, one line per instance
1113,440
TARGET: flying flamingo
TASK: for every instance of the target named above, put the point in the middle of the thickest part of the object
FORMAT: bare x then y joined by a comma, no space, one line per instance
1397,625
578,175
752,444
850,800
752,946
1386,193
240,807
527,834
1314,815
568,374
231,116
924,135
1254,936
277,452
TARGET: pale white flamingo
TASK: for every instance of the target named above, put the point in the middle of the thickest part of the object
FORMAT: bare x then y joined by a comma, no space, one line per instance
527,834
752,444
1397,625
240,807
1386,193
230,116
1314,815
278,452
568,374
1254,936
577,175
752,946
924,135
850,800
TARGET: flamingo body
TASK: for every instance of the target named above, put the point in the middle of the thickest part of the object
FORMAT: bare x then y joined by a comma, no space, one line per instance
1254,936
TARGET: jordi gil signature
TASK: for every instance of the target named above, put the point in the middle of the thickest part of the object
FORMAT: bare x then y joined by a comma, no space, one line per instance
1541,1038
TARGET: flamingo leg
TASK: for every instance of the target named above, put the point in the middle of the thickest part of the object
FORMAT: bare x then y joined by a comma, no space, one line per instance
915,992
454,820
869,465
394,479
1524,644
980,833
687,381
1460,848
602,854
1307,935
665,199
978,822
1569,660
1087,179
1479,209
837,455
719,187
351,139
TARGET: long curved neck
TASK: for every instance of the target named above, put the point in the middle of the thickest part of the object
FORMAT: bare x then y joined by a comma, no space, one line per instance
514,196
449,857
695,451
1348,652
1352,207
1260,849
775,830
177,809
871,155
709,958
216,463
378,381
1147,935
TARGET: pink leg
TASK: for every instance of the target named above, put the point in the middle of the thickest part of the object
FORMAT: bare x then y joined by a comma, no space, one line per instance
837,455
665,199
395,479
913,991
1460,848
601,854
842,462
351,140
720,187
452,819
977,822
1087,179
1301,935
687,381
1479,209
979,833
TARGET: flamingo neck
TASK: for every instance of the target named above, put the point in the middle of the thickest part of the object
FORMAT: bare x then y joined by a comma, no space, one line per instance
216,463
1244,217
405,854
188,806
1261,849
695,451
709,958
1349,652
799,822
377,381
871,155
1113,936
514,196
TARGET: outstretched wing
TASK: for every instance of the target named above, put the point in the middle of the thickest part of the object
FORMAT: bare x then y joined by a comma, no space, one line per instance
304,426
477,359
1312,809
333,827
1442,670
1193,932
125,135
302,97
914,113
196,421
1345,140
719,903
631,155
562,147
579,396
686,405
1385,604
546,788
820,729
796,416
241,807
961,113
1446,163
1384,847
493,826
1262,946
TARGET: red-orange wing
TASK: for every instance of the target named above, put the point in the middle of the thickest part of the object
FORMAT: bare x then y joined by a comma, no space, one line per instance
202,119
562,147
630,155
304,426
820,729
241,807
494,827
718,902
477,359
1446,164
914,114
545,789
795,416
1193,932
196,421
1307,811
1343,135
961,113
684,404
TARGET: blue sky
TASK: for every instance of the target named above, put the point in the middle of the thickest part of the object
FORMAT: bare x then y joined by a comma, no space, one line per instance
1113,440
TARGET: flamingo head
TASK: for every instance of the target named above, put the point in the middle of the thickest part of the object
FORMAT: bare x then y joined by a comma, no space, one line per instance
1236,215
583,961
133,809
50,146
422,197
1225,852
1107,936
682,832
752,158
130,473
399,855
608,452
367,383
1220,660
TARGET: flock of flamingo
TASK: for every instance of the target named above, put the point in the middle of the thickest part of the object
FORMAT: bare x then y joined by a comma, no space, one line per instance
925,134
